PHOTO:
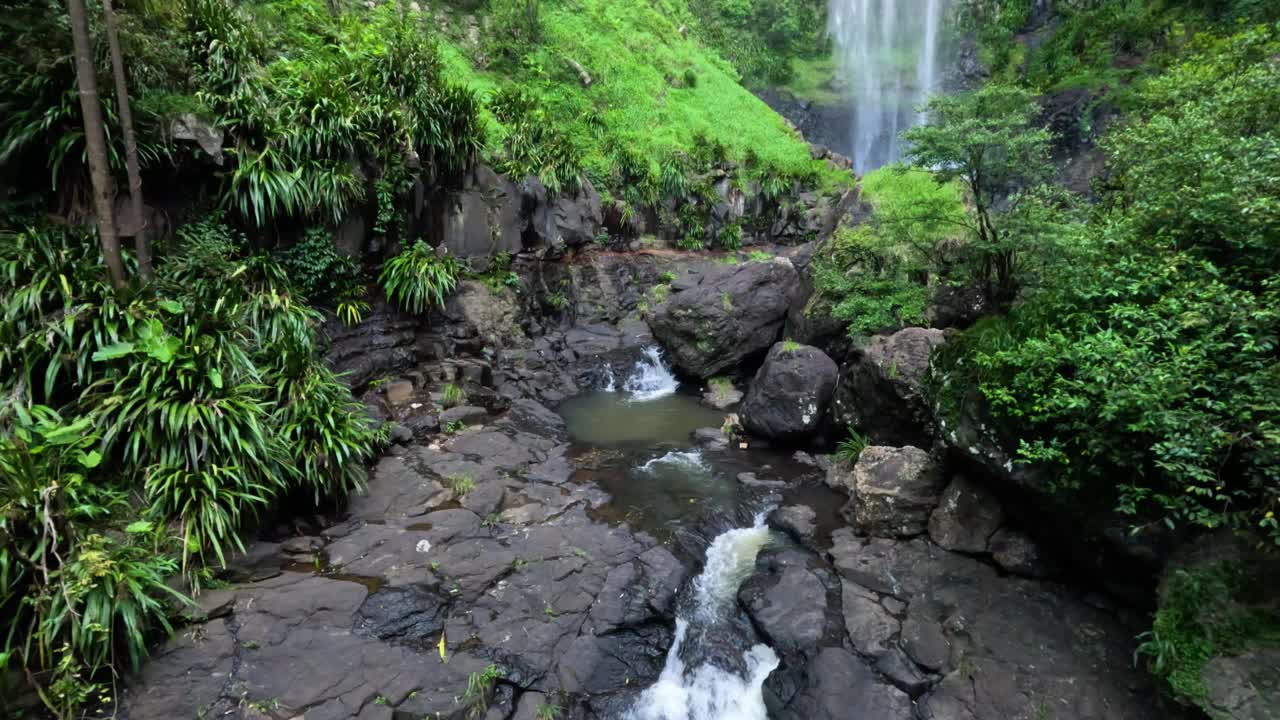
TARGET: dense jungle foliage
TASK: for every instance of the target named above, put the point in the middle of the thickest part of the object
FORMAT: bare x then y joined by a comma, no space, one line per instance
764,38
1135,360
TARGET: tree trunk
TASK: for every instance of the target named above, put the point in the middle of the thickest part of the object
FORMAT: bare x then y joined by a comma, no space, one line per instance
141,242
95,141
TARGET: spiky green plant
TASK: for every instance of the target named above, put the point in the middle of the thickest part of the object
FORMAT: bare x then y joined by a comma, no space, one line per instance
418,277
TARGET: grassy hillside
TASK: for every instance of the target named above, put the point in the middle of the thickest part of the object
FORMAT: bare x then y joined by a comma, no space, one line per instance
658,103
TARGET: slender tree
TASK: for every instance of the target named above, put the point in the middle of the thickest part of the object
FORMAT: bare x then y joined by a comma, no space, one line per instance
141,242
95,141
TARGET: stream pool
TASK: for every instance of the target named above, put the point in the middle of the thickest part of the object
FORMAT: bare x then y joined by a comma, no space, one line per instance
635,440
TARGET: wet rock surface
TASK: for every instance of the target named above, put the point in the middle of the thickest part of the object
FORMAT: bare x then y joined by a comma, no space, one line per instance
789,396
1002,645
881,388
483,541
894,490
733,312
512,571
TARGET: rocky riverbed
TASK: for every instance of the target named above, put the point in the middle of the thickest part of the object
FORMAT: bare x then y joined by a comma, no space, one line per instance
489,552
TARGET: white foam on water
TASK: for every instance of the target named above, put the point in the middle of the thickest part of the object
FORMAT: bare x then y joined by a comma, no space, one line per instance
708,692
690,460
651,378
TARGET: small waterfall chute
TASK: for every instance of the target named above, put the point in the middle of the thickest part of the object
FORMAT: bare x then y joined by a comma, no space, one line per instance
708,692
651,378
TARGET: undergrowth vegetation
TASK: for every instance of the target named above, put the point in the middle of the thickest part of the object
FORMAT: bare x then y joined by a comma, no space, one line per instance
141,432
763,38
1152,358
876,275
1141,370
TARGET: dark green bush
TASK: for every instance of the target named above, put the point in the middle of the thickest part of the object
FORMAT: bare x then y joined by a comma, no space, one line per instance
179,410
419,277
326,277
1147,370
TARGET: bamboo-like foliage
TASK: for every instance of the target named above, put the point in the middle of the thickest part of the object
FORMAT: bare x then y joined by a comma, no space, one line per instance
418,277
303,125
181,411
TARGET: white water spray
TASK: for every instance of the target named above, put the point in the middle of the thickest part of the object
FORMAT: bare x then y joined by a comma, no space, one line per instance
708,692
888,52
651,378
687,460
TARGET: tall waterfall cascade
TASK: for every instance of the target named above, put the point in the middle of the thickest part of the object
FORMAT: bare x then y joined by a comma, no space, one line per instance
887,53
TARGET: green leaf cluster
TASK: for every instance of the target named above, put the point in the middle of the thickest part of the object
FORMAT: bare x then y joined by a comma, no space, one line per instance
420,277
1147,371
139,432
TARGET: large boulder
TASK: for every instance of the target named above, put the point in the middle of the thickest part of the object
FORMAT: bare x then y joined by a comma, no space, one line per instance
485,217
730,313
966,518
838,685
894,490
791,599
881,388
789,396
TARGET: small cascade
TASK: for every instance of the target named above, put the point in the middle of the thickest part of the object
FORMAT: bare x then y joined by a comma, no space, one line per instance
610,383
708,692
651,378
888,54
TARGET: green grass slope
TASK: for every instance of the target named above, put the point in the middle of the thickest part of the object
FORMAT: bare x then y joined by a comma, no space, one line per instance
656,96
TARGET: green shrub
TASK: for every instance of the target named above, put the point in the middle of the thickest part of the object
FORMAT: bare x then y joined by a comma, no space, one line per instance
80,588
419,277
730,236
1207,610
850,449
762,37
324,276
1145,373
460,484
201,394
452,396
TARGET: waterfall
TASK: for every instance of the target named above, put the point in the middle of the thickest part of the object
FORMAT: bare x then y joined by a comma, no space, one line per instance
708,692
651,378
888,55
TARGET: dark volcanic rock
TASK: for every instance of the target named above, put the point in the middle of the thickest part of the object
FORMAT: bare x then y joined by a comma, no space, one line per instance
1243,687
958,307
880,390
789,396
789,599
798,521
412,615
1004,644
966,516
1016,553
733,312
838,685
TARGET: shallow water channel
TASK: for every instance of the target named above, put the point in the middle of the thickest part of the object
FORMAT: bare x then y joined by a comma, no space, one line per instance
635,440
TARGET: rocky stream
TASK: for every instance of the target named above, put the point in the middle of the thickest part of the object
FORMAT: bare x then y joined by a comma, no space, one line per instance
582,539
